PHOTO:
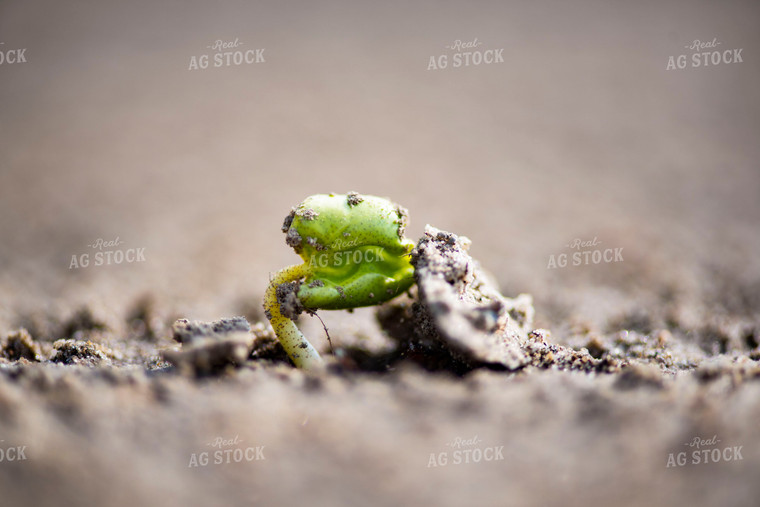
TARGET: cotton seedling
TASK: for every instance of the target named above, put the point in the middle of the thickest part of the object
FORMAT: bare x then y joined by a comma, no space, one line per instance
354,254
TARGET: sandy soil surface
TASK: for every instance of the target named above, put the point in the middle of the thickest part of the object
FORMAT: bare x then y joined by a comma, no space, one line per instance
580,134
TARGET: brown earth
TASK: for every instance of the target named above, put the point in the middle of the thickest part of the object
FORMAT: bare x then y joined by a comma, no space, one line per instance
581,133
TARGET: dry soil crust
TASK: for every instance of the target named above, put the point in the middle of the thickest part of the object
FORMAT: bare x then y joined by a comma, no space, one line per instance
103,419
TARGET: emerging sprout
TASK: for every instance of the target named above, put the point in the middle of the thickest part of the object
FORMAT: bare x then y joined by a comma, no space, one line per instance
355,254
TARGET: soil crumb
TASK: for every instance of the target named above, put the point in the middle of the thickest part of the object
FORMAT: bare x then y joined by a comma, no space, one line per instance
209,348
20,345
82,352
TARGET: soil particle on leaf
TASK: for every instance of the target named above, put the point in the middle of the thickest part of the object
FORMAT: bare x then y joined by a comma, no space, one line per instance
314,243
403,220
293,239
353,198
288,220
307,214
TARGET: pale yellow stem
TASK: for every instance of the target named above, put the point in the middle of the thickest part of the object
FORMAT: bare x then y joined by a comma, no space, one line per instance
298,348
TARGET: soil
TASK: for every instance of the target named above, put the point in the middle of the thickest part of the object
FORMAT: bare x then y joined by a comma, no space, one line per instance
503,377
466,400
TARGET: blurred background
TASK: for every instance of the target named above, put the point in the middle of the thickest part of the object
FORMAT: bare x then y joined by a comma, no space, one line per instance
581,132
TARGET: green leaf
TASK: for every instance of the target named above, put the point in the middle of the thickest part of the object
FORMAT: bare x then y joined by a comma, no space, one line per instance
354,250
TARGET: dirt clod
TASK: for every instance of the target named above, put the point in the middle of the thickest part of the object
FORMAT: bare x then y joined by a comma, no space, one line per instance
460,314
403,220
308,214
20,345
287,297
288,220
293,239
81,352
353,198
187,332
210,347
